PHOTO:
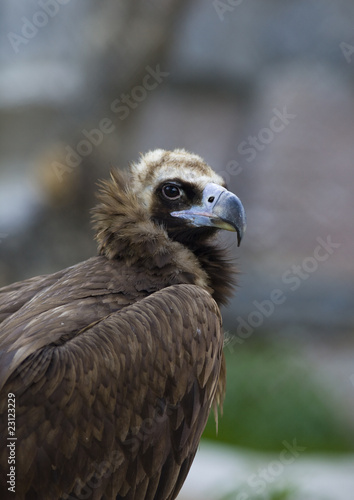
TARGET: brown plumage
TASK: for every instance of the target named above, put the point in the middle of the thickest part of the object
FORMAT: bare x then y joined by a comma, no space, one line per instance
116,362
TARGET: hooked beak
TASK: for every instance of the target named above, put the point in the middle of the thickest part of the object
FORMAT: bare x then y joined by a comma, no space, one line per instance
219,208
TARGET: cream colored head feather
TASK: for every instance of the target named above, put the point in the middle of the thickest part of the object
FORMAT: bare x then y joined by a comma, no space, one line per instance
159,165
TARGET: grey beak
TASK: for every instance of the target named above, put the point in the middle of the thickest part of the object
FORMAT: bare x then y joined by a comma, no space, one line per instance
219,208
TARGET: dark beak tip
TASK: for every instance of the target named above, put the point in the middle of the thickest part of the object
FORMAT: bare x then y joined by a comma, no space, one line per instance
239,236
240,227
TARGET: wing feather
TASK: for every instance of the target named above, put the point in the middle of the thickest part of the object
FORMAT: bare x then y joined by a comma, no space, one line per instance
119,408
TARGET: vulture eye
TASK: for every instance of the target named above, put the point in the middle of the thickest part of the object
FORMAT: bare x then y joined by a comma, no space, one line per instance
171,191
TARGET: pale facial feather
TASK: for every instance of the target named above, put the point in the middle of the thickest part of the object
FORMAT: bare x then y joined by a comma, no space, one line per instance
160,165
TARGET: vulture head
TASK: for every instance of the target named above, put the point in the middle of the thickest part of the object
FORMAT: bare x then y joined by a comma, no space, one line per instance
169,194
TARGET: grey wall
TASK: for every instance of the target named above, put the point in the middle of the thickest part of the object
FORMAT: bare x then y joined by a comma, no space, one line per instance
263,90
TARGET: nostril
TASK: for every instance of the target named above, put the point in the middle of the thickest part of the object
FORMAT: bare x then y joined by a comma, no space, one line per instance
211,199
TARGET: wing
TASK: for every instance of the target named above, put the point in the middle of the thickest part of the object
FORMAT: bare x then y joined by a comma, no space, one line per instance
120,408
14,296
51,309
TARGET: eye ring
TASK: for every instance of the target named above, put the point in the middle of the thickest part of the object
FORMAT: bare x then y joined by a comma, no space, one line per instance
171,191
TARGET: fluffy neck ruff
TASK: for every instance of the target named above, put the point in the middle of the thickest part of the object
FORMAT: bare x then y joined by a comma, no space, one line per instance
124,231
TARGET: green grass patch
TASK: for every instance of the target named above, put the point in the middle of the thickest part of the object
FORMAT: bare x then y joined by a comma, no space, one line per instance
272,396
275,494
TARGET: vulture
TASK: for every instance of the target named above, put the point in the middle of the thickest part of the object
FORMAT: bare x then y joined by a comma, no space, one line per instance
110,368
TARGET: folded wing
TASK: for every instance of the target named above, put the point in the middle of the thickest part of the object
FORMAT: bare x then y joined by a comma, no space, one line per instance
118,406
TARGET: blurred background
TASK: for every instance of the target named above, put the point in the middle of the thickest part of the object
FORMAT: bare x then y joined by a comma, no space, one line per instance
263,91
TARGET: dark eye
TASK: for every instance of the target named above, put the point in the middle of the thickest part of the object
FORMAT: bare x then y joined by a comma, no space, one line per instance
171,191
